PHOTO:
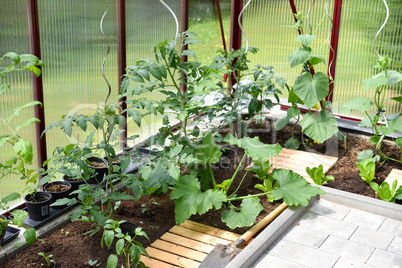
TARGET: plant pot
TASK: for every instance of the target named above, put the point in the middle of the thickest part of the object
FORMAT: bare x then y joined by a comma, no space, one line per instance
115,162
101,170
128,228
75,184
38,205
62,190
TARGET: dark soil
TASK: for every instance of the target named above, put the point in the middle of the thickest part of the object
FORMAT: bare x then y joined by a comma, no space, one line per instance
71,248
57,188
97,164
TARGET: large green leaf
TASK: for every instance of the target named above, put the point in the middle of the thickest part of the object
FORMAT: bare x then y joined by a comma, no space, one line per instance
398,99
189,199
394,125
293,188
112,261
394,77
250,208
319,127
157,178
360,104
208,151
375,81
305,39
311,89
299,56
24,149
26,123
254,148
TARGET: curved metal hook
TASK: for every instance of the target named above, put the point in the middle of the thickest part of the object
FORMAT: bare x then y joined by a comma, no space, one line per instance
241,26
107,53
308,16
175,19
383,25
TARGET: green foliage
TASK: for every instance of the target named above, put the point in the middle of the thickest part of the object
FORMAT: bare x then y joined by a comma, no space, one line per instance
49,260
367,170
391,123
367,154
126,245
310,89
249,210
318,176
386,193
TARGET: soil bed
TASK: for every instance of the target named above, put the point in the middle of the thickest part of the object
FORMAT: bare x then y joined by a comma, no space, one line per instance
155,214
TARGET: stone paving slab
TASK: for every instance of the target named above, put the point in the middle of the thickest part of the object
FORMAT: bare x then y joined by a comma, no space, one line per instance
370,237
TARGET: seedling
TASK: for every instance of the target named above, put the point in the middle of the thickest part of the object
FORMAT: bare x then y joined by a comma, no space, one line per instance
318,176
367,170
386,193
49,260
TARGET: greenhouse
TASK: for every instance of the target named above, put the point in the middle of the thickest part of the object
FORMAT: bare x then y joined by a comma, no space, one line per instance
201,133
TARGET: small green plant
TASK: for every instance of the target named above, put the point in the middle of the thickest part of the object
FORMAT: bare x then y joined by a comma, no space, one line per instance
20,162
310,88
318,176
367,170
49,260
390,123
386,193
125,245
93,263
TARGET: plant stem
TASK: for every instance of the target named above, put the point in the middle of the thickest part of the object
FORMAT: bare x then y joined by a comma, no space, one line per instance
241,182
212,176
244,197
235,174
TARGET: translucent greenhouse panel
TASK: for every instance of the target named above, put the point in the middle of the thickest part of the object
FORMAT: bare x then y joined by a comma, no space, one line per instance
73,48
361,20
14,37
267,25
148,22
204,21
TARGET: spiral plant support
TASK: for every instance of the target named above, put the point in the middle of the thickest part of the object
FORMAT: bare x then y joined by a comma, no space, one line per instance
241,25
107,53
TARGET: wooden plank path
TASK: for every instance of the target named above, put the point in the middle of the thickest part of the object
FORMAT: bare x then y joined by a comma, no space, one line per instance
298,161
187,245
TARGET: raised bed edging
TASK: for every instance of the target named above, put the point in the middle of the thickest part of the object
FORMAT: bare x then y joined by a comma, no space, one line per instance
290,216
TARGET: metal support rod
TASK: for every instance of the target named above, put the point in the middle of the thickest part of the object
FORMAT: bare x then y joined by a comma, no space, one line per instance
334,44
37,84
235,31
218,9
183,28
121,62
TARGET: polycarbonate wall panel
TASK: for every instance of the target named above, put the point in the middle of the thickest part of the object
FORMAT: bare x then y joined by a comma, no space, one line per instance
361,20
148,22
73,49
14,37
267,26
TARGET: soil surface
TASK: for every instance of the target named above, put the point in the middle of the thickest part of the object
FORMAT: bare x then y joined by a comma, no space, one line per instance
155,214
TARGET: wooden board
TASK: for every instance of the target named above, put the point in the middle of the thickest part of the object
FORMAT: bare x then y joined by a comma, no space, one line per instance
186,245
395,174
298,161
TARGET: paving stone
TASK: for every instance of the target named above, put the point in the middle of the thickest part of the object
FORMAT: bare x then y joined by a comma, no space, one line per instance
306,236
344,263
364,218
382,258
391,226
304,255
330,209
272,261
396,245
346,248
327,225
372,237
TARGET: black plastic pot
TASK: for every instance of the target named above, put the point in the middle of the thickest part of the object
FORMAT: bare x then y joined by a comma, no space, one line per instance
128,228
58,195
38,205
115,162
75,184
100,172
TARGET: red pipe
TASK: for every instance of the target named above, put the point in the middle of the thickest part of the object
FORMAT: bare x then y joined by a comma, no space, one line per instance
184,27
235,31
37,84
218,7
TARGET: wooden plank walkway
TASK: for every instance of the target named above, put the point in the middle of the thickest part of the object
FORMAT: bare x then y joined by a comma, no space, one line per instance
186,245
395,174
298,161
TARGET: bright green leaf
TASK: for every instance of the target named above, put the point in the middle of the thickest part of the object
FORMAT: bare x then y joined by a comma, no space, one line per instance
299,56
360,104
24,149
319,127
311,89
305,39
112,261
250,208
293,188
292,143
30,235
26,123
